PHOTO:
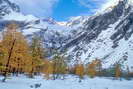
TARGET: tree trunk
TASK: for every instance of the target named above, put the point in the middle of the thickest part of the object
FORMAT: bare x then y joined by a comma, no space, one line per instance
8,61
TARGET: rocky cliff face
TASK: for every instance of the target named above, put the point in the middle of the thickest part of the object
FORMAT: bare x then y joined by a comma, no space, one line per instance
106,36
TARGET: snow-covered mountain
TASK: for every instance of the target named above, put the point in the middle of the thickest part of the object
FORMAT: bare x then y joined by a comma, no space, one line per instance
107,35
55,34
30,24
6,7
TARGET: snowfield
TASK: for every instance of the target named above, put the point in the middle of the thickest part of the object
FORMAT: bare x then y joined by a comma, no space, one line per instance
71,82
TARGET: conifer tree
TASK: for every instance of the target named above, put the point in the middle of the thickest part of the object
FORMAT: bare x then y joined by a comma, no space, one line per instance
37,53
117,71
48,69
2,57
98,66
16,53
128,72
91,70
80,71
59,66
94,68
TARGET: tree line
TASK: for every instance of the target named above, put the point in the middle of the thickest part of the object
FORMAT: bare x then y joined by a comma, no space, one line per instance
18,56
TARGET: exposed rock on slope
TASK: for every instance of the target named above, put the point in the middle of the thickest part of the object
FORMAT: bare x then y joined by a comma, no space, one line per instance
107,36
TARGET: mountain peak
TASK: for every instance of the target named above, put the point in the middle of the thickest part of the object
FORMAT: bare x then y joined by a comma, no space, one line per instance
49,20
6,7
111,4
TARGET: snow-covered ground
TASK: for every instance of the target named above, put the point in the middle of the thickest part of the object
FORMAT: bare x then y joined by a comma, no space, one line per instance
70,82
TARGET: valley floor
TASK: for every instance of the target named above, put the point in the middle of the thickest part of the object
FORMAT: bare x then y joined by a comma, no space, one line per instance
71,82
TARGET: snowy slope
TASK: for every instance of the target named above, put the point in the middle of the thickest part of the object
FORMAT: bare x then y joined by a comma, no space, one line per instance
106,36
71,82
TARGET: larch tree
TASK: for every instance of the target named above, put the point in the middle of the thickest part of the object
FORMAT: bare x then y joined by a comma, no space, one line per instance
63,67
118,71
98,66
91,70
94,68
80,71
59,66
16,53
48,69
2,58
37,53
128,72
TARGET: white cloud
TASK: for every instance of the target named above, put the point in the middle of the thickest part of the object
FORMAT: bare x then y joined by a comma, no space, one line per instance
92,3
39,8
109,3
98,5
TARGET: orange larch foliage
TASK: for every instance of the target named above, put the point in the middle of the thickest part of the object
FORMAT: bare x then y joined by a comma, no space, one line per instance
16,50
118,71
48,69
80,70
94,68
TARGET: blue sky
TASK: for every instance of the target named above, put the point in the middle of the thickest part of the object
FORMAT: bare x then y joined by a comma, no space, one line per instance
60,10
68,8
